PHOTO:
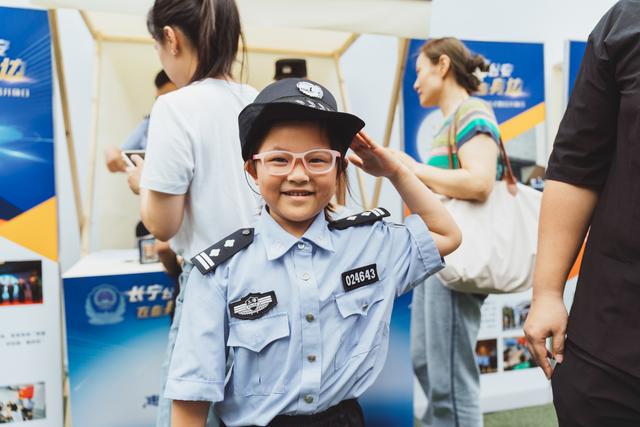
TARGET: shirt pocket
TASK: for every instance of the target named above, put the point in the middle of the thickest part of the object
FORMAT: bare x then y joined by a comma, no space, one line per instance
258,347
356,307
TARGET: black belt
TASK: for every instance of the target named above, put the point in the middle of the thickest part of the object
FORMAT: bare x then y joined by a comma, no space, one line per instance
345,414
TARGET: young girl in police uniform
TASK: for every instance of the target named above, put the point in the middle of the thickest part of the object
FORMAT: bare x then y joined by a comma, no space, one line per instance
303,301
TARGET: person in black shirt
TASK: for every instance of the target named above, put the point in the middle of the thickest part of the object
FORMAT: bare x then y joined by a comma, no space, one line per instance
593,187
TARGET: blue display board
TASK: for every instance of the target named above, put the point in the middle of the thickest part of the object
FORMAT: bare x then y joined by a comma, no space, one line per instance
389,401
513,86
575,52
117,330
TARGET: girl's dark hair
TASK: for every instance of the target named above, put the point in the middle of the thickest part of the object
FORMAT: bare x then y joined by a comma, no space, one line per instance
463,62
212,27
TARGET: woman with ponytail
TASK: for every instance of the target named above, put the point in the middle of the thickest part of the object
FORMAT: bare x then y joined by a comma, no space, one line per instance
445,323
192,184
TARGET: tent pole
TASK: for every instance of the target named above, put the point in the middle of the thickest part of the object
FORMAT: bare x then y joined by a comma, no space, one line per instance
92,29
403,51
341,84
64,100
342,193
73,166
351,40
95,100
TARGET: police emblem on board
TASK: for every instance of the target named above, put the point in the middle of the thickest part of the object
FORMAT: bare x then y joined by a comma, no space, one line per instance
253,306
105,305
310,89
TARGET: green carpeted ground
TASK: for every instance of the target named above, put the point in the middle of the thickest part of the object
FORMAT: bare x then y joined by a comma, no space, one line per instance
536,416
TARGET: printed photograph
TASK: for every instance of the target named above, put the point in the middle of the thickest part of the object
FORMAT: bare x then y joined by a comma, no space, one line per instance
19,403
487,356
20,283
516,354
514,316
147,249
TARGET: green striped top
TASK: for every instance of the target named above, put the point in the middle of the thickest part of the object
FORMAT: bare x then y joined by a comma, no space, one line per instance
474,116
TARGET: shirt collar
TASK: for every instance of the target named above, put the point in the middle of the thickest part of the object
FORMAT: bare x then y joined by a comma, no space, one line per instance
277,241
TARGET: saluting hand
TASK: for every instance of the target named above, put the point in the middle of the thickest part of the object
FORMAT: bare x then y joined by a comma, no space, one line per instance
372,158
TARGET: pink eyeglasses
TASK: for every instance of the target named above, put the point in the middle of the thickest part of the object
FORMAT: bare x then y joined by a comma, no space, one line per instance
316,161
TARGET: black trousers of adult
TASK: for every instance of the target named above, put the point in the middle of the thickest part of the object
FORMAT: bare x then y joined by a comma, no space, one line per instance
347,413
588,392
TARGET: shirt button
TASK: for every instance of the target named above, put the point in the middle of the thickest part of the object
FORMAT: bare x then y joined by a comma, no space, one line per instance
301,246
311,358
305,276
310,317
308,398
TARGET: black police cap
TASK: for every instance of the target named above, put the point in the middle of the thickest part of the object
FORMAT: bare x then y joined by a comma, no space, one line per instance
294,99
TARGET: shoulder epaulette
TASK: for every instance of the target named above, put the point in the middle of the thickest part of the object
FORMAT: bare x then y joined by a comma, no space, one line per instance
207,260
365,217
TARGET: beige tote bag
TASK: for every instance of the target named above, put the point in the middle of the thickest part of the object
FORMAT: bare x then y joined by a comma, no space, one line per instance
499,236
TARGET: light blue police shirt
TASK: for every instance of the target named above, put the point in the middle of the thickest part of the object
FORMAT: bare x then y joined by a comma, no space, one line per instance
320,343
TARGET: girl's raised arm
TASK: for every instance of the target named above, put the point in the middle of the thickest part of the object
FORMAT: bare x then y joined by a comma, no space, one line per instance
379,161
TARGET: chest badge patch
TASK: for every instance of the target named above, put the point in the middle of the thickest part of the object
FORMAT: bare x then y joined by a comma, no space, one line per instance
359,277
253,306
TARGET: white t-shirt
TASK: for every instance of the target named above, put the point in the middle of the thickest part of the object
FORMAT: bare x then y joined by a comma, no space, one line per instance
194,147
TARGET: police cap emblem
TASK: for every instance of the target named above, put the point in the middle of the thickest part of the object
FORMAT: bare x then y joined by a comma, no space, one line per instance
310,89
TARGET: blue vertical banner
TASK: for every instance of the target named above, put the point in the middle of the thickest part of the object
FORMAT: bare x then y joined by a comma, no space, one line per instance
513,86
30,335
574,53
27,184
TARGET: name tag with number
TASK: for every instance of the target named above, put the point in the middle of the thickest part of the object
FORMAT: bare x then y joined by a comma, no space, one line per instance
356,278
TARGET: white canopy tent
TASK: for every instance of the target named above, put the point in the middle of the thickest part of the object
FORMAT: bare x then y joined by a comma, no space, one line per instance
319,31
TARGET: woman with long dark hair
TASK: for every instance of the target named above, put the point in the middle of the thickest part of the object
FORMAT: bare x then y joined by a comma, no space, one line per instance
445,323
192,185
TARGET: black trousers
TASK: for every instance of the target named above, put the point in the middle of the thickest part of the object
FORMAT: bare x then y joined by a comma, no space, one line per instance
347,413
588,392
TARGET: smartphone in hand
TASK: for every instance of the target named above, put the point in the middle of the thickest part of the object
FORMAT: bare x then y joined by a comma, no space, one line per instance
128,154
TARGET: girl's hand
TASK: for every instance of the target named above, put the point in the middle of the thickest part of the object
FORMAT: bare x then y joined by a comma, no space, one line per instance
372,158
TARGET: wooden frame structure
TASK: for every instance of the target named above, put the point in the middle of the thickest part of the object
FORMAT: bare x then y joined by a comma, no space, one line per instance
85,210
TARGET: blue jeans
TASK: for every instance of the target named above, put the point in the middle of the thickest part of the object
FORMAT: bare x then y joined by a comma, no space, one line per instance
164,406
444,329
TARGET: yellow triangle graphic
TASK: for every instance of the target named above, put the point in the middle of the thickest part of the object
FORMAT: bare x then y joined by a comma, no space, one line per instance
36,229
522,122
